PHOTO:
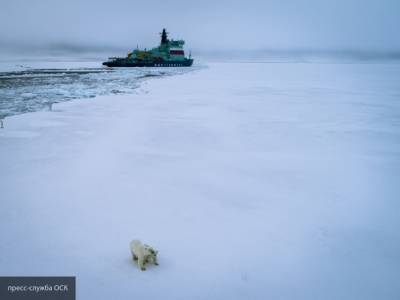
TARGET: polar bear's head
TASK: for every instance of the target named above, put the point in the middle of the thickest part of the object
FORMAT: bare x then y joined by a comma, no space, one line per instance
150,250
150,255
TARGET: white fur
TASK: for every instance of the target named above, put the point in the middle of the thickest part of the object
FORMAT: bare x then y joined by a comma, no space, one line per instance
143,254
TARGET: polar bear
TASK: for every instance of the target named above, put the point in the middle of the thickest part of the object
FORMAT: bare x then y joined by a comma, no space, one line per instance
143,254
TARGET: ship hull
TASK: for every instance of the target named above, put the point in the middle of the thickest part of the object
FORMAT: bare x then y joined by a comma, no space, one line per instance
124,63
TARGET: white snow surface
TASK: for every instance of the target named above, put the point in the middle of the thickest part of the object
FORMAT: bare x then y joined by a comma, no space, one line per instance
253,180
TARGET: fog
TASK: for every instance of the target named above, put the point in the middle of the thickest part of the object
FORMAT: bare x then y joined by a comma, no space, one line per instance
207,26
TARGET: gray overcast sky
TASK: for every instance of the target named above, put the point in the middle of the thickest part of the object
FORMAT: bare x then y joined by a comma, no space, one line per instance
204,24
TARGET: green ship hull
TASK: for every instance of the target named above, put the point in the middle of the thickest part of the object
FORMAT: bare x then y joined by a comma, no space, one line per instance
169,53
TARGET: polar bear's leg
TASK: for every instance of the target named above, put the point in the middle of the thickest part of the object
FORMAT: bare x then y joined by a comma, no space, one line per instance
134,257
152,259
141,262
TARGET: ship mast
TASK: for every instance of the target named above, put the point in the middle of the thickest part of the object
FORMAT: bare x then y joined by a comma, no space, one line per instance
164,37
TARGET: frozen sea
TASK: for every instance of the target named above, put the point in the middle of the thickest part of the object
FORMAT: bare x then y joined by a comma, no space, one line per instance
253,180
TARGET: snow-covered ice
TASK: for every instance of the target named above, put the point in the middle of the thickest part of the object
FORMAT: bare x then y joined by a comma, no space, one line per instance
253,180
